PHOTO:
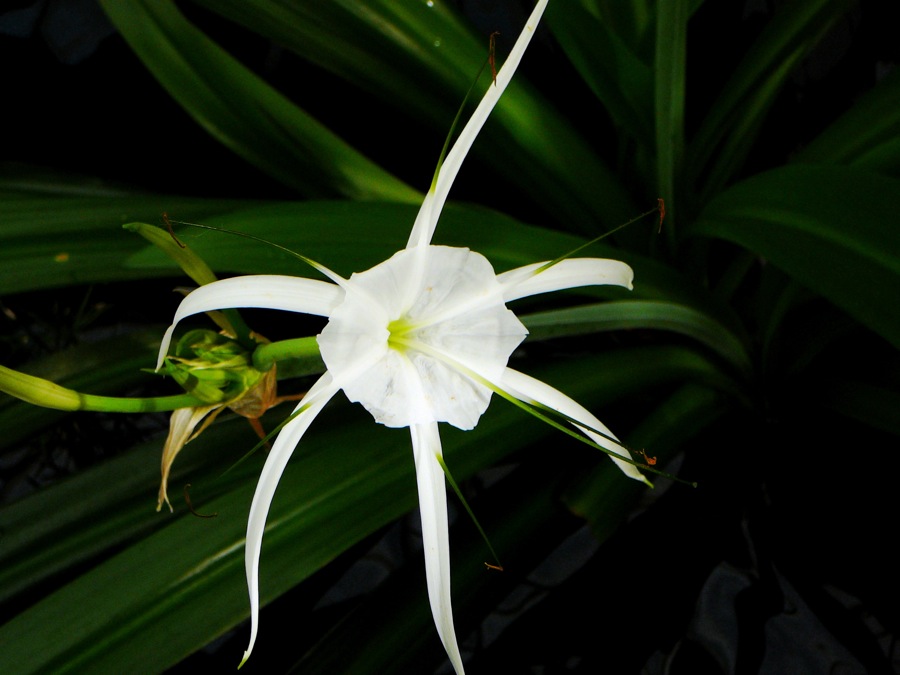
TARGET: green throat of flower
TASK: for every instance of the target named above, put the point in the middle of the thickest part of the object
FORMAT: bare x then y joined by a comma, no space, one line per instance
400,334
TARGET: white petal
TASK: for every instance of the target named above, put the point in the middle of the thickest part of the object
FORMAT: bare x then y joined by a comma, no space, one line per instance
570,273
423,227
482,340
269,291
389,388
402,389
530,390
431,208
315,399
435,533
454,283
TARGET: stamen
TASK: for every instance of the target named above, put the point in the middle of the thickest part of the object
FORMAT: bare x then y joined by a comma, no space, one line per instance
187,499
492,53
165,217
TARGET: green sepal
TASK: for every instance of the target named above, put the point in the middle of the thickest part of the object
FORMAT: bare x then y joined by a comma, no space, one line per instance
212,366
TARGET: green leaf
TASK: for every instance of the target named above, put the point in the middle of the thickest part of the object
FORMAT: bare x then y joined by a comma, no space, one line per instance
616,75
55,531
69,240
367,234
867,136
107,367
419,59
22,180
601,498
167,594
430,58
243,112
671,55
875,405
47,242
392,629
729,130
632,315
828,227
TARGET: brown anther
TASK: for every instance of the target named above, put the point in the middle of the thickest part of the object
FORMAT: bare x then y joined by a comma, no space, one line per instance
168,223
492,51
651,461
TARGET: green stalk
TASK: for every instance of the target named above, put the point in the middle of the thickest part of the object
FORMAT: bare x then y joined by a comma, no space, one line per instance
46,394
305,349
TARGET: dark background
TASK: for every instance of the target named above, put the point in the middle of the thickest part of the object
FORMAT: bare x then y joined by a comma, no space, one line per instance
782,561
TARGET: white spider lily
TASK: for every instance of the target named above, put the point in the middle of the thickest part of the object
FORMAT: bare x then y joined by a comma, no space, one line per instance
421,338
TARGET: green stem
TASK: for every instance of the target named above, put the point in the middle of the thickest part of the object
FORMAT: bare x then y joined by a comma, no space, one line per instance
46,394
135,405
305,348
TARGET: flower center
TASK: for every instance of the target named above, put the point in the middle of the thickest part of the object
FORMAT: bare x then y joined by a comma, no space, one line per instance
411,330
399,332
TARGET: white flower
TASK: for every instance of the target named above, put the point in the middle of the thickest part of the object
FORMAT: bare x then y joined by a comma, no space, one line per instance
419,339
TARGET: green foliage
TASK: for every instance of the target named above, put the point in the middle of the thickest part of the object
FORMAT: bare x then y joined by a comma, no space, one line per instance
774,289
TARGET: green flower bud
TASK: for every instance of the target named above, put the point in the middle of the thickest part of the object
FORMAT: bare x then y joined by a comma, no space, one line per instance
211,366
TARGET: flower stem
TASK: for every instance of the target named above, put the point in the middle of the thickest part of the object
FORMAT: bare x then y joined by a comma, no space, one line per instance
46,394
305,350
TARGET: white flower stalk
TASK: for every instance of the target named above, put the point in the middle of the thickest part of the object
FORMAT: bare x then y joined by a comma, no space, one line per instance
421,338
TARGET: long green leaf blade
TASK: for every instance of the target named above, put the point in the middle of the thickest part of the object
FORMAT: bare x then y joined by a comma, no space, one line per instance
729,130
640,314
799,218
669,85
616,75
867,136
432,56
168,594
243,112
47,242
